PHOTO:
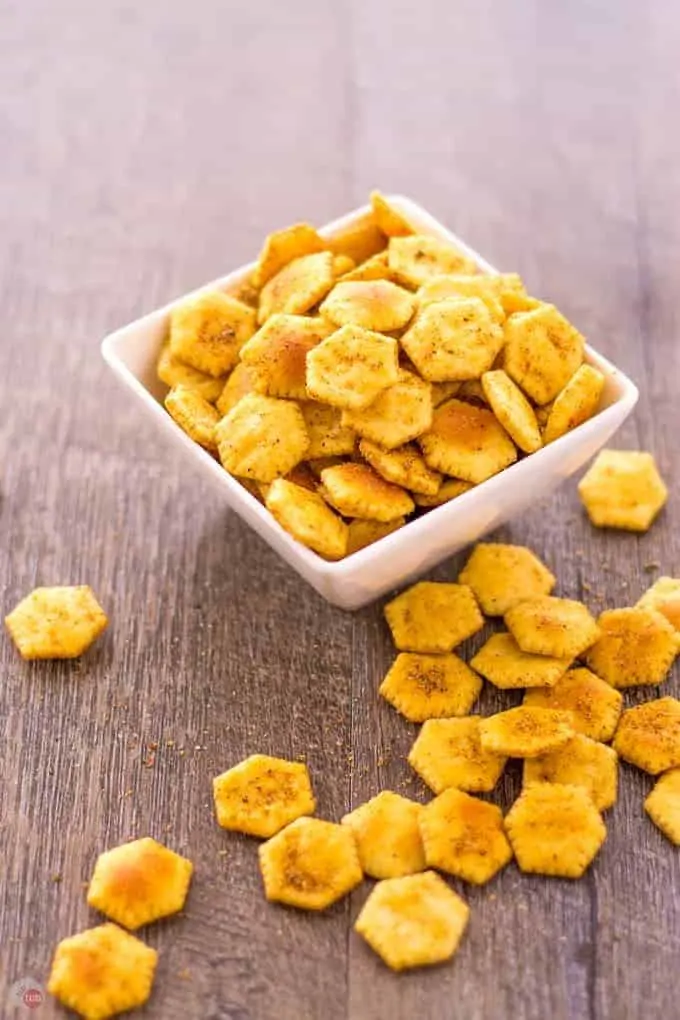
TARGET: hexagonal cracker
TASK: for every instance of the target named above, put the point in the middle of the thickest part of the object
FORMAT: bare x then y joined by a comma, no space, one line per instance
453,340
308,518
416,259
467,442
403,466
663,805
480,285
553,626
648,735
352,367
139,882
448,752
208,329
555,830
387,835
413,921
261,795
430,686
374,268
173,372
502,662
372,304
310,864
525,732
575,404
102,971
664,596
328,437
636,647
364,533
56,623
581,762
390,220
193,414
239,383
432,616
464,836
262,438
623,489
399,414
361,240
450,489
513,410
355,490
501,576
594,704
542,352
277,354
282,247
297,287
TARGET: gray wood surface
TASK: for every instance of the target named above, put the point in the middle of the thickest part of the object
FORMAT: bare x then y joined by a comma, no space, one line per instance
147,147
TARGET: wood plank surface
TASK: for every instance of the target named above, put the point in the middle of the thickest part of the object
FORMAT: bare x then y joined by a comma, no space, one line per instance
147,148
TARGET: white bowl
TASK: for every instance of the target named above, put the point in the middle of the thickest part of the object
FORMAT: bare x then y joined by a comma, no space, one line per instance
132,353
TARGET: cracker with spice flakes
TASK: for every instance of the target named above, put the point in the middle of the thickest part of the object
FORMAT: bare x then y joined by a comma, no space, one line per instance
193,414
400,413
525,732
594,704
448,752
432,616
352,367
453,340
371,304
464,836
664,596
479,285
328,437
449,489
262,438
101,972
387,835
555,830
207,331
297,287
403,466
361,533
663,805
414,921
542,352
56,623
575,404
546,625
623,489
310,864
466,442
308,518
374,268
139,882
283,247
262,794
424,686
276,355
239,383
636,647
387,216
580,762
503,663
503,575
648,735
512,409
173,372
356,490
416,259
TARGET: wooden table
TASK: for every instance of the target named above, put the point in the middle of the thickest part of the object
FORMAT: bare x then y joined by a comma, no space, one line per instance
147,148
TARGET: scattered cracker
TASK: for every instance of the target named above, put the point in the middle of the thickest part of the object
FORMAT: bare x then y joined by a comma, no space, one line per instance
387,835
664,596
56,623
542,352
351,367
663,805
575,404
342,265
361,240
594,704
416,259
433,617
277,354
297,287
208,330
448,490
430,686
580,762
372,304
310,864
400,413
374,268
308,518
547,625
413,921
262,438
512,294
501,576
193,414
363,533
555,830
328,437
484,287
139,882
513,410
502,662
102,971
403,466
173,372
448,753
239,383
623,489
389,219
464,836
649,735
467,442
261,795
282,247
355,490
453,340
525,732
636,647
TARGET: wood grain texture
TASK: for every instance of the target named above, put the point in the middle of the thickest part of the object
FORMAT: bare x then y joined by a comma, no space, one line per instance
146,148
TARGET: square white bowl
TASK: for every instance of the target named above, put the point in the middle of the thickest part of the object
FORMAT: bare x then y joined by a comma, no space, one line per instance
132,352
